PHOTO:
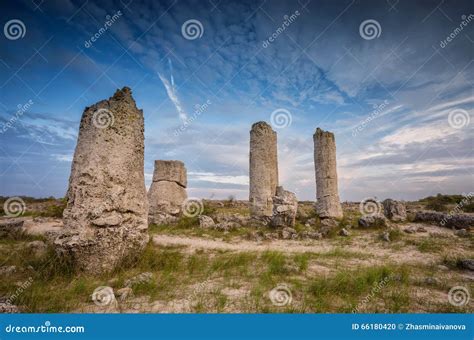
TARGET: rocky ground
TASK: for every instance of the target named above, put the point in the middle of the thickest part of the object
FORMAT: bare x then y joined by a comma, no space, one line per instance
220,262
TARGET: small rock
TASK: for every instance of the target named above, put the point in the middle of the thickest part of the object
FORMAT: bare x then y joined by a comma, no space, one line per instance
146,277
442,267
39,248
394,210
421,230
373,220
343,232
461,233
12,226
386,236
328,223
7,270
285,206
287,233
410,230
8,308
431,281
467,264
124,293
206,221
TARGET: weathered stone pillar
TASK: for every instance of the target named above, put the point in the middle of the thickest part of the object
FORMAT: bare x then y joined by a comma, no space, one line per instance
167,191
106,215
263,169
327,194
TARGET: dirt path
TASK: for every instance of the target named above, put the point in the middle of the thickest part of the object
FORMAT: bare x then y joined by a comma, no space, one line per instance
242,246
375,254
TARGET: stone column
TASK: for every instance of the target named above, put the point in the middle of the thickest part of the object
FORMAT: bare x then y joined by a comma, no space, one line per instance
263,169
167,191
327,194
105,220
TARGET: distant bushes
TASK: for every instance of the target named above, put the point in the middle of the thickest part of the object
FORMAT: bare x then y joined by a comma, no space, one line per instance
445,203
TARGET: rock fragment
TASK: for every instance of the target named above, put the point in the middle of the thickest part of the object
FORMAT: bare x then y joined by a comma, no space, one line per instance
285,206
167,192
394,210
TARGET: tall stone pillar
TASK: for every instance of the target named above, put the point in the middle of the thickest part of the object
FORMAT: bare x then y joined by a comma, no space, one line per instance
327,194
263,169
167,191
105,220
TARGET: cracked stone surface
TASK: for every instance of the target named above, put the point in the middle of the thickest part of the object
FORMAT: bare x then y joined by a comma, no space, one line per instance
327,195
167,192
105,219
263,170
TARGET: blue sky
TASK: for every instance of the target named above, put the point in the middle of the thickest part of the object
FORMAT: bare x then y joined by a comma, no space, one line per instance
399,97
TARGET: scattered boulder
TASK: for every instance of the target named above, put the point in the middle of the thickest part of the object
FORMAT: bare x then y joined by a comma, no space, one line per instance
394,210
288,233
455,221
236,218
11,227
432,281
385,236
285,206
8,270
372,221
410,230
343,232
145,277
124,293
206,222
467,264
461,233
8,308
311,235
106,217
39,248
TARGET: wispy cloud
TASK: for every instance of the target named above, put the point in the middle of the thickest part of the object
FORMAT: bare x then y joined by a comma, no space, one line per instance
173,92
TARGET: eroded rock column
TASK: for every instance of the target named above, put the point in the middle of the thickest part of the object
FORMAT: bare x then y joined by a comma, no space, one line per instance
167,191
263,169
105,218
327,194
